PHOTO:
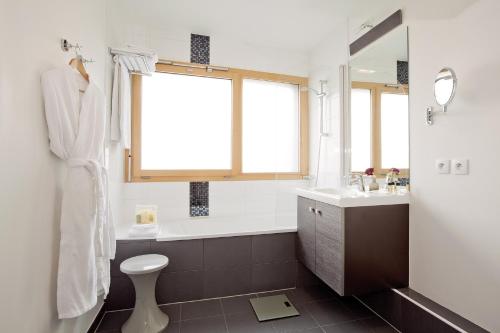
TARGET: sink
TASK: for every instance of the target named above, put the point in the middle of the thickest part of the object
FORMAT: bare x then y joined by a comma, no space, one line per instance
334,191
349,197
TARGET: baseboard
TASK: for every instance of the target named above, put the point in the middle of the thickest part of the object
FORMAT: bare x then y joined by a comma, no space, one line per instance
411,312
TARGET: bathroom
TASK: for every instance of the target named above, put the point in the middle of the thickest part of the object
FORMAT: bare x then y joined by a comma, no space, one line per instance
232,210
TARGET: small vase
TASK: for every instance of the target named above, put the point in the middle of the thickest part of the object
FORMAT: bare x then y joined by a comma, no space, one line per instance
373,186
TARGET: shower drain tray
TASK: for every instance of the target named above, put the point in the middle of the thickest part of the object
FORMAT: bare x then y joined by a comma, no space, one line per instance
273,307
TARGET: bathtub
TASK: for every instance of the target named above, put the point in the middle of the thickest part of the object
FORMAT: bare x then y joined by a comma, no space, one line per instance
213,227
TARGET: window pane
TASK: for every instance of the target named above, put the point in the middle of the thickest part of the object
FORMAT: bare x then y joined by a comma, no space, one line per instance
270,127
394,131
361,119
186,122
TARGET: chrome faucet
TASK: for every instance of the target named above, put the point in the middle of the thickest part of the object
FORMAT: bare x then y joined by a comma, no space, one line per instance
357,178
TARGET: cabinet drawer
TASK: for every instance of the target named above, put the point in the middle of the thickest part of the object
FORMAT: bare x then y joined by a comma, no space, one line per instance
329,221
330,262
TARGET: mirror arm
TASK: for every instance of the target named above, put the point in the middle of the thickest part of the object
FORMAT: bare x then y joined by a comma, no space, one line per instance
429,114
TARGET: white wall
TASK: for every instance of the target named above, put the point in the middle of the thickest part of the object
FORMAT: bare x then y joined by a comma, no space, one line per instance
30,175
324,62
227,198
455,220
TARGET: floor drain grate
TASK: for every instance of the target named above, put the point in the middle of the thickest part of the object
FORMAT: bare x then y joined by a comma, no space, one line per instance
273,307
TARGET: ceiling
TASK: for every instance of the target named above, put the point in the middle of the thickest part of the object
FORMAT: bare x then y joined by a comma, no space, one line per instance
295,25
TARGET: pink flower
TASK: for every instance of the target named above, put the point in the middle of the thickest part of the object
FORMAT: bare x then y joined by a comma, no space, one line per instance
395,170
369,172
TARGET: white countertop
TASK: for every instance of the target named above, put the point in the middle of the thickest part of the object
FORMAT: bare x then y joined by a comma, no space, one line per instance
354,198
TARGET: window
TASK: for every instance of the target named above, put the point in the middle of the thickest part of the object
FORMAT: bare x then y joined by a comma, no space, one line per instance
270,126
191,124
361,131
379,127
180,132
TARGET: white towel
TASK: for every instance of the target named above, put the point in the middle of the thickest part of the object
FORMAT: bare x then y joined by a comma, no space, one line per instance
132,60
144,230
121,105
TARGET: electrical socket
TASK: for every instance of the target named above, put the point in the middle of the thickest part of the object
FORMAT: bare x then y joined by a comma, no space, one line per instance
460,167
443,166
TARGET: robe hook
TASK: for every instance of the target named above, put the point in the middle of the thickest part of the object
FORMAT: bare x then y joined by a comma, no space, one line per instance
66,45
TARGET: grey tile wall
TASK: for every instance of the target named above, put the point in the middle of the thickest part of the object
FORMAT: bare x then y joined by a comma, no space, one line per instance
213,267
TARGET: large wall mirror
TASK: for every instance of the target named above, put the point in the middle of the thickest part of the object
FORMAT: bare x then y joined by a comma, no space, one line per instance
378,128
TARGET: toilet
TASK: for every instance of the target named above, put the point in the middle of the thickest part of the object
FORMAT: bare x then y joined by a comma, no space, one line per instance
143,270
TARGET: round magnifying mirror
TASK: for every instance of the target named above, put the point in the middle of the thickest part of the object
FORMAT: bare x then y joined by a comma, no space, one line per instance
445,86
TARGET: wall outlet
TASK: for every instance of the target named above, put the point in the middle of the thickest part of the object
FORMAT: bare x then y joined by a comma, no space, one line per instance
460,167
443,166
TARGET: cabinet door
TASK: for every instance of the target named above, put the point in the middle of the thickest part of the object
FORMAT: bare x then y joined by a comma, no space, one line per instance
330,246
306,233
330,262
329,221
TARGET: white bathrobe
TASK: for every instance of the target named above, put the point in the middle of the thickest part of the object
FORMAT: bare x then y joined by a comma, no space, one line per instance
76,117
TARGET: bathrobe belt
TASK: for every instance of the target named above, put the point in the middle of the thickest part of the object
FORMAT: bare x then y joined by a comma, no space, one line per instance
99,177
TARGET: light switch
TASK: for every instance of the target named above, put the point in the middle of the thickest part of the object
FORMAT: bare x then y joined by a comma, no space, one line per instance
443,166
460,167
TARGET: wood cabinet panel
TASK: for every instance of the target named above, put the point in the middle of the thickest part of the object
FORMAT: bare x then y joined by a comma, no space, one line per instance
354,250
306,233
329,221
330,262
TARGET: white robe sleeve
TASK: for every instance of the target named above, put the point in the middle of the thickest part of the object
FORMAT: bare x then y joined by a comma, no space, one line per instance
53,114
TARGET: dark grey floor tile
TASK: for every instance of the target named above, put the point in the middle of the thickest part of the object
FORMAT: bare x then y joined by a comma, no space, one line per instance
226,282
312,293
357,308
295,324
287,292
201,309
273,248
173,311
349,327
329,312
172,328
204,325
113,321
185,255
387,304
237,304
246,322
377,325
227,252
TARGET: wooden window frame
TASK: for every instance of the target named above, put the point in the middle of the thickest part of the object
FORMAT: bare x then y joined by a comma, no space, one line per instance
376,90
133,171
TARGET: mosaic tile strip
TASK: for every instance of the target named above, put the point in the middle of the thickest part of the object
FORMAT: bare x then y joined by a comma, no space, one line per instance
200,49
402,70
198,199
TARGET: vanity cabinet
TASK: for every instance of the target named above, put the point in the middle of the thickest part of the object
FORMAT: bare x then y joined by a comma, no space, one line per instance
354,250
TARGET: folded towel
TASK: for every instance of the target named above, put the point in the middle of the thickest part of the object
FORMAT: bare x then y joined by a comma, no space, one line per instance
144,230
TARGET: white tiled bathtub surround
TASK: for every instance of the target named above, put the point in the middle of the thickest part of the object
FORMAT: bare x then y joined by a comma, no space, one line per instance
269,199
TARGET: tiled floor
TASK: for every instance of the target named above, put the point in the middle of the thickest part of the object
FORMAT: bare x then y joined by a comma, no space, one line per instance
321,310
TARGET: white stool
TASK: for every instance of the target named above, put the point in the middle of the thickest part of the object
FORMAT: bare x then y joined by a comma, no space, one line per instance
147,316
